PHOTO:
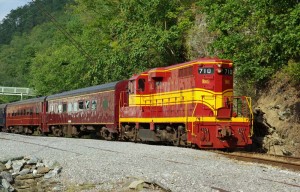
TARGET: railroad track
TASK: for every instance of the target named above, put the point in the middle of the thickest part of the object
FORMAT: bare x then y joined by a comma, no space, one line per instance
287,162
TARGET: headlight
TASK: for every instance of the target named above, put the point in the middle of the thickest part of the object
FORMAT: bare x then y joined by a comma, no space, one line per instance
219,65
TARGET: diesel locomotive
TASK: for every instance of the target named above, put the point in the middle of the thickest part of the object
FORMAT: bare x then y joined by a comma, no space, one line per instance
189,104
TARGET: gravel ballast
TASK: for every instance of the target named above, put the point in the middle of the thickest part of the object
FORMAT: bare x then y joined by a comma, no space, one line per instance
111,166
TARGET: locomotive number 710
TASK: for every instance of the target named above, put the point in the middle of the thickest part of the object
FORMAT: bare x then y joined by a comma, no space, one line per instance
206,70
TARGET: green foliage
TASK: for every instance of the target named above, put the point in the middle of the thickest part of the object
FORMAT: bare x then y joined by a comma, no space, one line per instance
259,35
131,36
14,62
24,19
55,71
18,47
293,69
60,66
7,99
97,41
122,38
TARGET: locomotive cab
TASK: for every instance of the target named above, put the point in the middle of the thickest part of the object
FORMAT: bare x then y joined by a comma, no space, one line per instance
232,115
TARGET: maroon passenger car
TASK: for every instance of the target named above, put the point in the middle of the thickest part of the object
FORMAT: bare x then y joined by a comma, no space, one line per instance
91,109
25,116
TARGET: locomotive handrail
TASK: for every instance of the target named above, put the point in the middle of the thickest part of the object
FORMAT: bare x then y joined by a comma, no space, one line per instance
249,102
193,121
186,115
120,101
215,107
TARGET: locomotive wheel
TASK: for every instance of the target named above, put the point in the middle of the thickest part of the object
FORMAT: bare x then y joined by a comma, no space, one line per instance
106,134
134,138
129,134
179,142
176,142
38,131
58,132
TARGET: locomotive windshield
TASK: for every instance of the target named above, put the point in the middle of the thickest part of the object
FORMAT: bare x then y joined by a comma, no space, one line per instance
131,86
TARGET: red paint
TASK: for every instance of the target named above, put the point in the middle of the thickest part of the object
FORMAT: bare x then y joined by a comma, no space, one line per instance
24,113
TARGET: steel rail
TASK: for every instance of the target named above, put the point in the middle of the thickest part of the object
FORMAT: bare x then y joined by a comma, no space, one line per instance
281,161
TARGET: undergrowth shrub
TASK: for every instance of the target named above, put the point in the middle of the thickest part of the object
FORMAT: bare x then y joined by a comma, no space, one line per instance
293,70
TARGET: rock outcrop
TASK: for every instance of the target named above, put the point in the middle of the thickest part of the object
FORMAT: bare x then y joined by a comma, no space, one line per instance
29,174
266,138
280,101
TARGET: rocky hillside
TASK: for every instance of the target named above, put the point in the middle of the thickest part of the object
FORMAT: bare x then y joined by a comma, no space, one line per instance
278,117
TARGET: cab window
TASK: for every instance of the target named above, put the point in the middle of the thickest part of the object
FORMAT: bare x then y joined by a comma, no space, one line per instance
141,85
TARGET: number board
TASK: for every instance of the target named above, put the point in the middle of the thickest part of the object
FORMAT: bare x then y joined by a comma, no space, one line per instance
206,70
227,71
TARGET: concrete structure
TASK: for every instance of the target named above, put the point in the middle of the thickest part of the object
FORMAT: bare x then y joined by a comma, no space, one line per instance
21,91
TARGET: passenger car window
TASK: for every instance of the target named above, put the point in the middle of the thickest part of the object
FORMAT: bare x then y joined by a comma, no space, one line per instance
75,106
56,108
94,105
80,103
69,107
51,108
60,108
64,107
87,104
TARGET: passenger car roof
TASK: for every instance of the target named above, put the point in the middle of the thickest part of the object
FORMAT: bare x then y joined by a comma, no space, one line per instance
86,90
27,101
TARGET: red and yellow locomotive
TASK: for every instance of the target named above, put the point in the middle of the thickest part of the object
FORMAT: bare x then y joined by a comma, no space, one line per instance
188,104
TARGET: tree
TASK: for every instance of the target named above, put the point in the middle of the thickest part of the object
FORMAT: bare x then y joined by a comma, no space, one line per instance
132,36
256,34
